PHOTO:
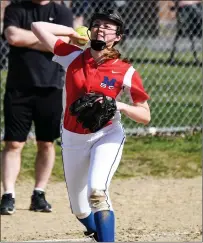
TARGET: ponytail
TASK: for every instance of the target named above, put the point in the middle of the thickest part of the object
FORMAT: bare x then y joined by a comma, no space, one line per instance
113,53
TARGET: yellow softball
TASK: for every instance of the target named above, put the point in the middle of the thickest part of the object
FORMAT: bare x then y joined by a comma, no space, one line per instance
82,30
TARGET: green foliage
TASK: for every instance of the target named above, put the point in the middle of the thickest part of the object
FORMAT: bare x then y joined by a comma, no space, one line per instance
176,157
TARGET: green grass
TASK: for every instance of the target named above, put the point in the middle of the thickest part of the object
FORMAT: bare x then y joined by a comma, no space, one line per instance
162,156
176,94
159,157
181,56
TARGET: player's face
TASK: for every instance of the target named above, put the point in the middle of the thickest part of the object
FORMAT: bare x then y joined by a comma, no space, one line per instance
104,30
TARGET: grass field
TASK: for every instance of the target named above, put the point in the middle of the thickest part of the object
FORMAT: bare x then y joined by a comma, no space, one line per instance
175,157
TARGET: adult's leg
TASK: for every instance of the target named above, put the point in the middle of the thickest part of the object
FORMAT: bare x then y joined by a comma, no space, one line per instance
194,52
17,123
172,54
44,163
47,119
11,162
105,158
43,167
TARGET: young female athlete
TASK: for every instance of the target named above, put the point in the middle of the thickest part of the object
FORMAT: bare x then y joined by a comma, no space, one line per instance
91,159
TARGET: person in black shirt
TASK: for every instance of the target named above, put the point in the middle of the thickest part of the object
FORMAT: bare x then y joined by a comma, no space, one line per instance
189,25
33,94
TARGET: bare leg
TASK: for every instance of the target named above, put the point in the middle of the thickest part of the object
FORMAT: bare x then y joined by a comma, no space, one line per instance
44,163
11,162
171,58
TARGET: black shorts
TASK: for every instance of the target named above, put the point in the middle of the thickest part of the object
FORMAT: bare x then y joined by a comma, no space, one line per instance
43,106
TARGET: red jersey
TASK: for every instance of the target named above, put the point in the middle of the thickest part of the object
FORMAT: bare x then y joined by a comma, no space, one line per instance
83,74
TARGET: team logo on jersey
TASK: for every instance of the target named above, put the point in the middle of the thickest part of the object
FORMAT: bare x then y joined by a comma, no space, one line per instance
108,83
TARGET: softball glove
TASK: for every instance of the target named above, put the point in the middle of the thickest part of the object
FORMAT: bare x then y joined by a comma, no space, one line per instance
93,110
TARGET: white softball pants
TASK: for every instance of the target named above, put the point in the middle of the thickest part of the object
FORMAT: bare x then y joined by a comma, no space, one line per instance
90,161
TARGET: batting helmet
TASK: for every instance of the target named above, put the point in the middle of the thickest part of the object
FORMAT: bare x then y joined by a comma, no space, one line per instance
109,14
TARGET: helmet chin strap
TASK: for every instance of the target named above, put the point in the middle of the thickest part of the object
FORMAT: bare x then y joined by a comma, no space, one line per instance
98,45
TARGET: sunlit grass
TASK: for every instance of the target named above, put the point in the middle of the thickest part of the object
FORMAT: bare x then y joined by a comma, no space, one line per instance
175,157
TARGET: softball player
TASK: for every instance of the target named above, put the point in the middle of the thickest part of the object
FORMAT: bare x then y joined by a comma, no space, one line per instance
91,159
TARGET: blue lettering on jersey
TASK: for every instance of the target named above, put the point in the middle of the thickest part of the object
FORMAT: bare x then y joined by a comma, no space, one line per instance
108,83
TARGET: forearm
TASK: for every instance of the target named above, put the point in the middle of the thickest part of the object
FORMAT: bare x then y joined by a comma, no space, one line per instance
138,113
41,47
20,37
49,33
55,29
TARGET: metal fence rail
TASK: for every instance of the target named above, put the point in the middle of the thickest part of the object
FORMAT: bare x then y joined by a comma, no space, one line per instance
164,42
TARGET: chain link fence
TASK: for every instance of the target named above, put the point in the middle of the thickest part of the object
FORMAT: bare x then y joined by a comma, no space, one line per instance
164,42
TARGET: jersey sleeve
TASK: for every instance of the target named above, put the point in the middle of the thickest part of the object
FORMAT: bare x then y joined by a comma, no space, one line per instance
133,86
65,53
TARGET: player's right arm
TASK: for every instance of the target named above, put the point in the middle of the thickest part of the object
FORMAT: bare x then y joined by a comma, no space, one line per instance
20,37
13,32
64,17
48,33
26,38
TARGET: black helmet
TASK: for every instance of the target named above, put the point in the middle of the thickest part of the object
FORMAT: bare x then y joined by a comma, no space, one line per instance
109,14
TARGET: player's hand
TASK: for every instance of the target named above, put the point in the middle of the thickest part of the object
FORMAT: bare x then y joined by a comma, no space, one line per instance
120,105
76,38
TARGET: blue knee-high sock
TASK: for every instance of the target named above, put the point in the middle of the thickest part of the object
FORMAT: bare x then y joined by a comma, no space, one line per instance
89,223
105,223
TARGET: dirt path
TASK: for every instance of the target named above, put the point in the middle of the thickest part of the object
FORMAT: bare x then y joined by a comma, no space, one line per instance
146,210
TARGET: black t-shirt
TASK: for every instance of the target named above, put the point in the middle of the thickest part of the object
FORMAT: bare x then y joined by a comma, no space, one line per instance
32,68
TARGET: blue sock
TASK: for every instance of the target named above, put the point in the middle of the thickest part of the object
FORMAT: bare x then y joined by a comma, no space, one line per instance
105,223
89,223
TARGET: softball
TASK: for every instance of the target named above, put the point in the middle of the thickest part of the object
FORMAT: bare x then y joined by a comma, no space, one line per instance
152,130
82,31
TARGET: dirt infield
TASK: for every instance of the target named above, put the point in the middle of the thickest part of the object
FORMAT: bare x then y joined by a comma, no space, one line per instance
146,210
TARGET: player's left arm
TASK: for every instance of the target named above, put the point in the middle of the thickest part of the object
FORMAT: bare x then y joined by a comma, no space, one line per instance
139,110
